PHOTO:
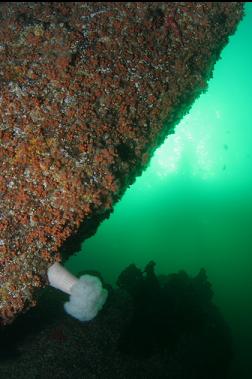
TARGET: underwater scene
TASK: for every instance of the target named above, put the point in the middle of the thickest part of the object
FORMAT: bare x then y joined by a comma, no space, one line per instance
192,207
162,288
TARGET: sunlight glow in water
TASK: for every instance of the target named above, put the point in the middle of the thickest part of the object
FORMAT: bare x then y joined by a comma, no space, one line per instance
189,146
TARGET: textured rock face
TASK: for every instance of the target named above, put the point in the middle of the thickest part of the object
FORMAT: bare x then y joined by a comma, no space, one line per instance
87,91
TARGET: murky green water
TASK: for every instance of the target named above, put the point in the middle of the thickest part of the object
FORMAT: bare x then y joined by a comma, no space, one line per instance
192,207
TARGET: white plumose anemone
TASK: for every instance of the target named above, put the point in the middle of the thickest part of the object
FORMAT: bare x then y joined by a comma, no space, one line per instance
87,296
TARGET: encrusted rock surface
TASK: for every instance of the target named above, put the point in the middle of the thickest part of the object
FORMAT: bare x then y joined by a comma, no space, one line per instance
87,92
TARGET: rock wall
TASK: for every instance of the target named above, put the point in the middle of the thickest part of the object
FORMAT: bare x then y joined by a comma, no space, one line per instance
87,92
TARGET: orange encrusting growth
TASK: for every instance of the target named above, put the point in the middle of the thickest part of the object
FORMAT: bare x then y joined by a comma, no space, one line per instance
85,90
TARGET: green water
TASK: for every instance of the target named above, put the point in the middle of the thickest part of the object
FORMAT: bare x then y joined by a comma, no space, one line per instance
192,207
